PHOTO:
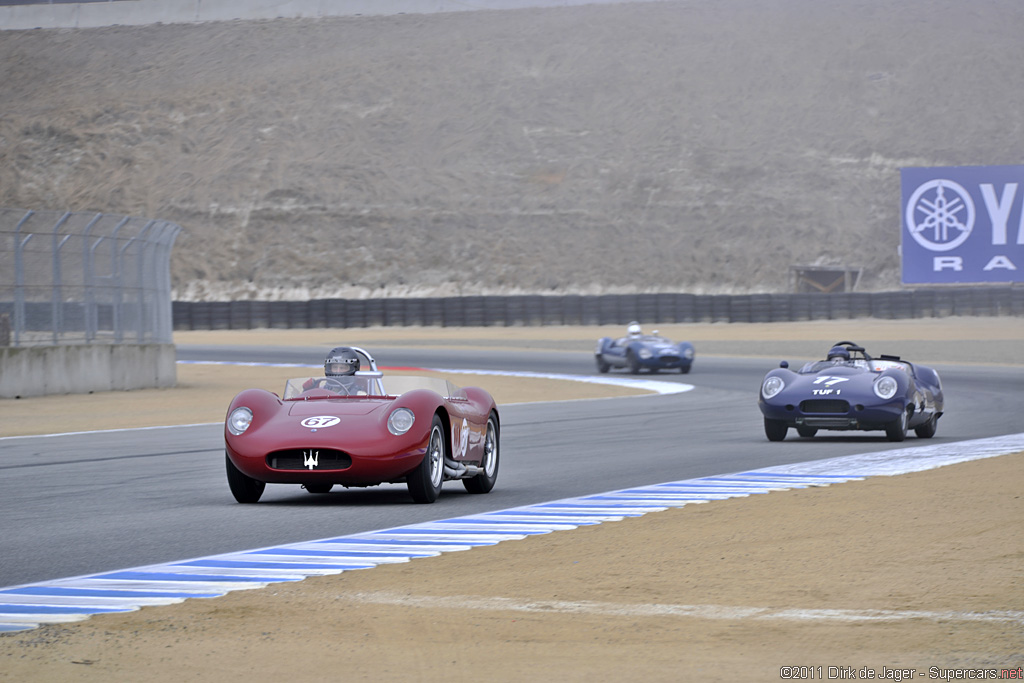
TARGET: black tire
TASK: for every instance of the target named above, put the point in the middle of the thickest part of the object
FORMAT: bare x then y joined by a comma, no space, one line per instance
425,481
775,430
318,488
684,369
897,429
602,367
244,488
927,430
484,482
634,364
805,431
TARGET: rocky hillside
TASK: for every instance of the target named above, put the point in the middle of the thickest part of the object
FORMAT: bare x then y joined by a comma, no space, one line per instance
676,146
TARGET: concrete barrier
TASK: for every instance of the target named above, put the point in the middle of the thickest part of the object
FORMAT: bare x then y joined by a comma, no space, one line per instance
85,368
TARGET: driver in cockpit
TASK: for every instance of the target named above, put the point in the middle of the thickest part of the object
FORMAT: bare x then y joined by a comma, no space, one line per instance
340,368
838,355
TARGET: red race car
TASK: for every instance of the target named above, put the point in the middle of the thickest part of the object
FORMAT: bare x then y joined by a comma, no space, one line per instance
358,427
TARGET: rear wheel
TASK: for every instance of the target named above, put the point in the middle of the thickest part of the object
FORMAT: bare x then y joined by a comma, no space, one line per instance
244,488
484,482
425,481
775,430
897,429
927,430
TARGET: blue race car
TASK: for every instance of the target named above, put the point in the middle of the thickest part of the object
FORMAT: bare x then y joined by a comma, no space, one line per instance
850,390
638,351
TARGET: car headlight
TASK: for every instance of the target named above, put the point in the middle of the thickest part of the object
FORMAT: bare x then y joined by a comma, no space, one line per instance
772,386
239,420
885,387
645,353
401,421
688,353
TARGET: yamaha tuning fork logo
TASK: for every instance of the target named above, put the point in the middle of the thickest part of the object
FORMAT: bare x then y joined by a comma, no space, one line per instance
964,224
940,215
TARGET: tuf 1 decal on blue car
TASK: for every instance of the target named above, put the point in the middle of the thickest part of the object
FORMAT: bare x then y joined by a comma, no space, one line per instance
638,351
850,390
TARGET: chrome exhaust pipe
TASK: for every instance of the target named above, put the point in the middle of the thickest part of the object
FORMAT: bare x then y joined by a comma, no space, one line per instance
457,470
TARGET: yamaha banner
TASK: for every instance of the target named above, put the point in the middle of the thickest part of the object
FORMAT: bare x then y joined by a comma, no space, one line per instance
962,224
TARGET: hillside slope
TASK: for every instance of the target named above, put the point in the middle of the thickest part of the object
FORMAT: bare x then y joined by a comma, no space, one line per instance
680,146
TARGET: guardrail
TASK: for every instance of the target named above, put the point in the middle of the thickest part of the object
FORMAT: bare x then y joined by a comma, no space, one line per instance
608,309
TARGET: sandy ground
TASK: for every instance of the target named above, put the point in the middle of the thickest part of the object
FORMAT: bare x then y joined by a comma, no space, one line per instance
731,590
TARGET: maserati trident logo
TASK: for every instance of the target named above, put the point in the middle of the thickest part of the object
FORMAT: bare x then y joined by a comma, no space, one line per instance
310,460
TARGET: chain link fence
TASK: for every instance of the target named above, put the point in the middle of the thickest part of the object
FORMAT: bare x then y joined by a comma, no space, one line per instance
84,278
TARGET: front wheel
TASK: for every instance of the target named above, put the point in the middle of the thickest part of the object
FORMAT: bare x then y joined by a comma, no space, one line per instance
425,481
484,482
244,488
805,431
897,429
634,362
602,366
775,430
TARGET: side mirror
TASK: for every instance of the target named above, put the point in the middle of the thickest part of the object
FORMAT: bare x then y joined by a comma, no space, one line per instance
784,364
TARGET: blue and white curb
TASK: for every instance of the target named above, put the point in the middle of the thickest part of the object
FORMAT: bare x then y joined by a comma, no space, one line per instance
74,599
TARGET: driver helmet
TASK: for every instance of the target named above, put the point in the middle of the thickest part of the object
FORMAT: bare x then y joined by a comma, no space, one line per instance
838,353
341,361
633,330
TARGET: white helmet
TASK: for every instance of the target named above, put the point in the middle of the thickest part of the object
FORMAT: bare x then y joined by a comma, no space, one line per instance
633,330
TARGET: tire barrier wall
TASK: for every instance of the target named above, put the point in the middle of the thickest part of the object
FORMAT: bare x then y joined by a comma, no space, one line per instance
608,309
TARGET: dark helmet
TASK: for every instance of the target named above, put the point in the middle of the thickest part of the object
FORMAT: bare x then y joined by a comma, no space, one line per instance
341,361
838,353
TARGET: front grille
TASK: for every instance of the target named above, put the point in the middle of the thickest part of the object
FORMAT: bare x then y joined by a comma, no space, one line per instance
669,358
825,405
830,422
310,459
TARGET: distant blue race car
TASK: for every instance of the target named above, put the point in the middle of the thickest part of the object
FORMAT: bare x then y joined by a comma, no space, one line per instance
643,352
850,390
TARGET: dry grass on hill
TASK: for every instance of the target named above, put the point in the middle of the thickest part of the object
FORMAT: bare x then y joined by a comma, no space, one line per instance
672,145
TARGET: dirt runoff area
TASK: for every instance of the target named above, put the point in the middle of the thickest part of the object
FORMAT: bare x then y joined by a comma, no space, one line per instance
911,577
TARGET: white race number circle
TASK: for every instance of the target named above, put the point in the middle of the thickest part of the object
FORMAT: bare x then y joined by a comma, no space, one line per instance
320,421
